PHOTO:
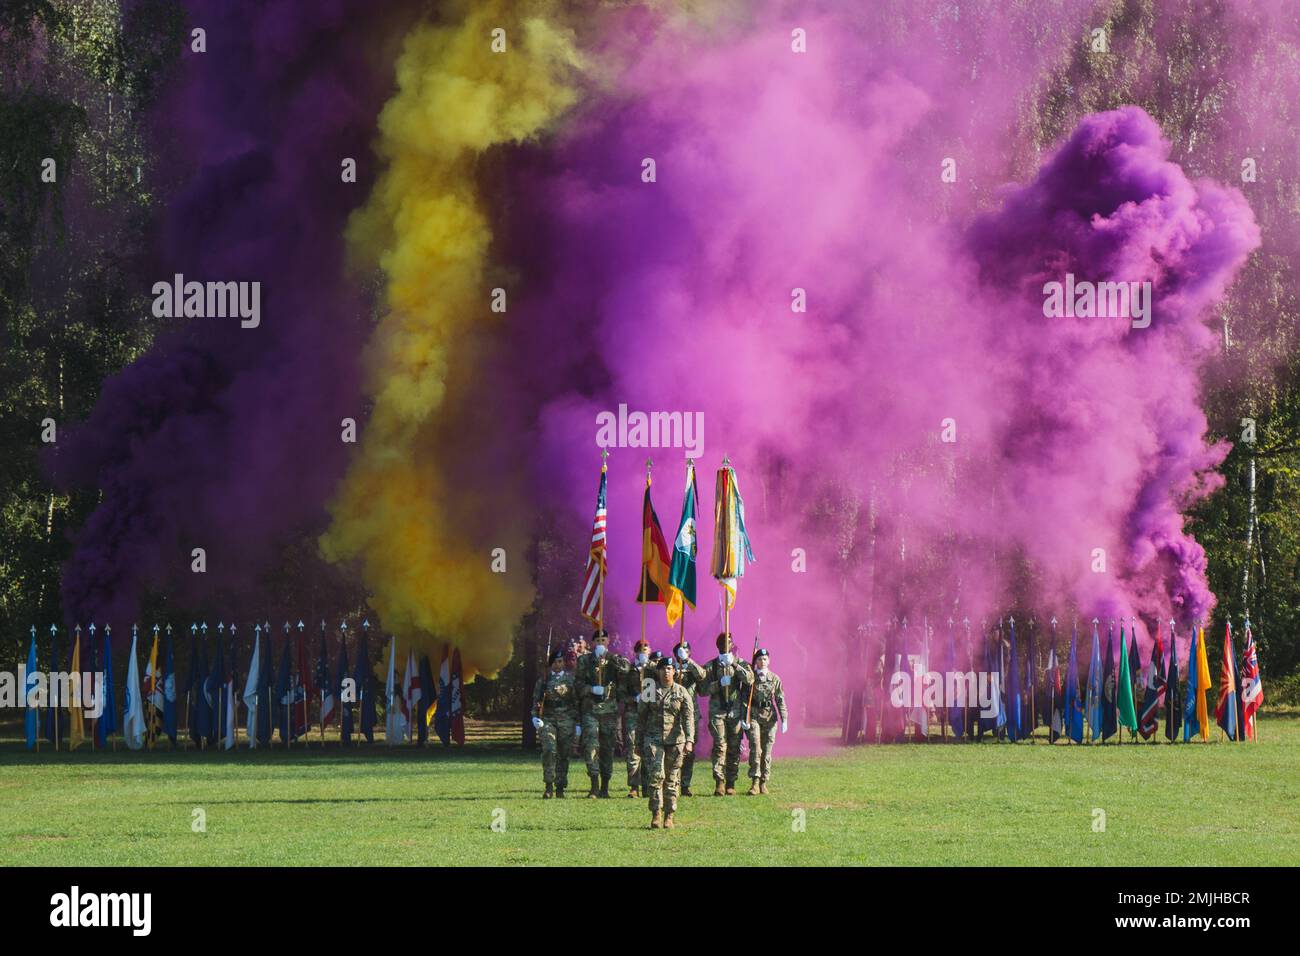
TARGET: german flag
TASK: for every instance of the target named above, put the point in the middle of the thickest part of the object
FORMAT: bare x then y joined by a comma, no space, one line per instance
655,563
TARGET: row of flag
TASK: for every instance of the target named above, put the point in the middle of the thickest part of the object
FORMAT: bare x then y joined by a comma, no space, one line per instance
669,579
272,700
1118,691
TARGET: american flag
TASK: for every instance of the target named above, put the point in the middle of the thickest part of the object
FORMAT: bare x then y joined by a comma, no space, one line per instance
1252,689
591,590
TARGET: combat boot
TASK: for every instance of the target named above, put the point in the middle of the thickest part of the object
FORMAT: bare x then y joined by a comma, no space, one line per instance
762,786
604,785
753,788
717,788
668,820
731,789
559,793
656,821
594,792
550,792
634,792
686,792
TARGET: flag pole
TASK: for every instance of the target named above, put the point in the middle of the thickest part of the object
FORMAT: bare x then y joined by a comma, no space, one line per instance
322,690
645,575
726,602
1051,687
600,619
55,702
38,709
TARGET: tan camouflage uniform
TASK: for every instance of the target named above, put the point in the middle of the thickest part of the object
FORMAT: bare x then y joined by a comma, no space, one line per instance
600,714
726,708
768,705
693,677
629,690
666,726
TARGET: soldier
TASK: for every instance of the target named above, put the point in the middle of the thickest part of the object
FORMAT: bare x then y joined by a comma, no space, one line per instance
597,677
577,647
766,703
666,728
629,690
723,677
555,704
691,676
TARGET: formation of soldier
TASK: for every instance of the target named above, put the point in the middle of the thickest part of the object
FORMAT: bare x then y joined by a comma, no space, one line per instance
577,703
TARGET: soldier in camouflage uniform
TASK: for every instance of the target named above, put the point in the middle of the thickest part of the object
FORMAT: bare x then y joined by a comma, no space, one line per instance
766,704
629,690
555,713
692,677
666,728
724,676
577,647
598,675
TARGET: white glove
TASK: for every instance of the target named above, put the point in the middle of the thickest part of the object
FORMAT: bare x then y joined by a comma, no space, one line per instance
725,680
744,725
785,727
537,722
598,690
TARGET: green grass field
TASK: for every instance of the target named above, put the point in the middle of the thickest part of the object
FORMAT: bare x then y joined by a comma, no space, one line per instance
1220,804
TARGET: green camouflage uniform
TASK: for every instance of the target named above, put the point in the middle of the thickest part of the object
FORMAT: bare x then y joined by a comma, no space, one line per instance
600,714
559,712
767,706
693,677
666,726
726,708
629,690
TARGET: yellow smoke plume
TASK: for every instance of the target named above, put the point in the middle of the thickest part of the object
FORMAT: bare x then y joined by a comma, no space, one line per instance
410,527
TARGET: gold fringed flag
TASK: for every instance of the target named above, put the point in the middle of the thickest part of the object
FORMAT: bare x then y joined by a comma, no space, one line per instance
151,692
681,577
730,540
654,555
76,723
594,583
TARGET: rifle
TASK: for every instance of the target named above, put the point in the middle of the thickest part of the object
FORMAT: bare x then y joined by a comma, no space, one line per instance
546,669
754,678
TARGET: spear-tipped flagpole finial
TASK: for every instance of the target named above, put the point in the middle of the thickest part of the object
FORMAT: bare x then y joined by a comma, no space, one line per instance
286,627
155,628
344,627
169,630
257,628
204,628
1053,622
134,629
53,629
300,625
194,628
221,627
33,632
92,628
1011,620
108,628
366,624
